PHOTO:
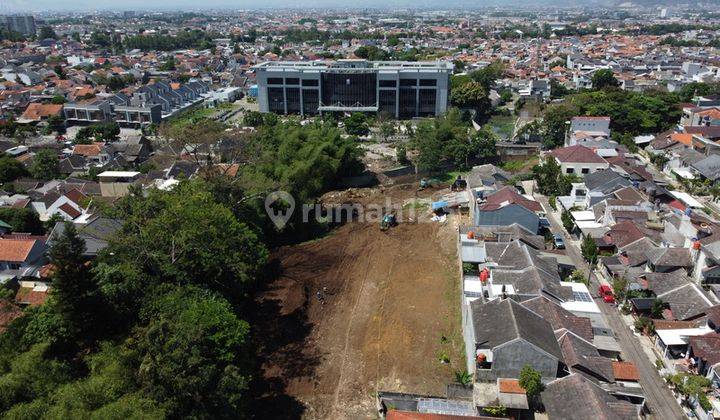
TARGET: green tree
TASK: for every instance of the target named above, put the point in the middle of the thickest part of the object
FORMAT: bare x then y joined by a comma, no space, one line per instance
46,32
557,89
45,165
550,180
531,381
645,325
116,83
430,148
619,288
555,124
487,76
578,276
480,145
58,69
657,308
32,374
22,220
194,354
58,100
253,118
356,124
401,153
168,65
10,169
387,129
589,249
567,221
471,95
689,385
603,79
187,237
74,291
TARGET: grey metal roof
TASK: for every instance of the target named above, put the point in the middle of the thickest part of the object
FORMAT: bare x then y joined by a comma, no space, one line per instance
605,181
576,397
709,167
500,321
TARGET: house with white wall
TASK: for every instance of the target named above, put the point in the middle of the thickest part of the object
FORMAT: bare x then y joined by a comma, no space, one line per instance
578,160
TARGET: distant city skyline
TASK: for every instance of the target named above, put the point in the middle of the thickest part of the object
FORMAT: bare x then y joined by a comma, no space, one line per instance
36,6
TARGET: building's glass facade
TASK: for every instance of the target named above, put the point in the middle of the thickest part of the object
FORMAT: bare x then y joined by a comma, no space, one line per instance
292,99
349,89
398,89
311,101
276,99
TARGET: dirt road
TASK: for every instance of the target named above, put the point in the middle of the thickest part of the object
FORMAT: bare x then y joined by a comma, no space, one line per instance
389,309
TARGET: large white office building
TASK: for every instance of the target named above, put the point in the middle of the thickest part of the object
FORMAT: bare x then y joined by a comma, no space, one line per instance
397,88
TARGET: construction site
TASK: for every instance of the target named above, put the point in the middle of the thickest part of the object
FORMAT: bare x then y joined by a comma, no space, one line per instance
369,307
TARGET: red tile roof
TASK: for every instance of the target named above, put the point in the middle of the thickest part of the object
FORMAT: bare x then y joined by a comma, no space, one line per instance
577,154
28,296
623,233
510,386
15,250
8,312
76,196
37,111
625,371
87,149
506,196
706,347
413,415
70,211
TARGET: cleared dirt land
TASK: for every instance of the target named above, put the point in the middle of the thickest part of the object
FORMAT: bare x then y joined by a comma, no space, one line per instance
390,310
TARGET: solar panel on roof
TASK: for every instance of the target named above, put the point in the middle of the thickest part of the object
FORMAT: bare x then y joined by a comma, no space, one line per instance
582,296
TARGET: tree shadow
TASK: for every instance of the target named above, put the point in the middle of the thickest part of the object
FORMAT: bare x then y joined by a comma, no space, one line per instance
283,349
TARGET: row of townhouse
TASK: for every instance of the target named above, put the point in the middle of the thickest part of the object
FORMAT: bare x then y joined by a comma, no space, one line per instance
148,104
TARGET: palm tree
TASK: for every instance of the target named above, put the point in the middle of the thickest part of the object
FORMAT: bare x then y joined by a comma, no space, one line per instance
463,377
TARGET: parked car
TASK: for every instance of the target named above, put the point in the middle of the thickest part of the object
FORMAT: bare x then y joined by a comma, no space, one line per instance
606,292
559,243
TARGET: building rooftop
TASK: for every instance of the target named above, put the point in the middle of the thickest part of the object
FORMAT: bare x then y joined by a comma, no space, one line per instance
356,65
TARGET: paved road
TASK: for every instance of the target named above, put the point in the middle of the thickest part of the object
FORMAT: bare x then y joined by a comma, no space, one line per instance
660,400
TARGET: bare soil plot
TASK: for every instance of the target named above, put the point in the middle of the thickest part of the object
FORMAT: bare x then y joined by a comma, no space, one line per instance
390,309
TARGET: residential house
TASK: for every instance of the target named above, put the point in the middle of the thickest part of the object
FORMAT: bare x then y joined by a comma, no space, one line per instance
578,160
36,112
505,336
507,206
20,256
583,128
117,183
96,233
576,397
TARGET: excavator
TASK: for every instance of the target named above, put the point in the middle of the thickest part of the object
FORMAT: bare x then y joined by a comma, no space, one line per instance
388,221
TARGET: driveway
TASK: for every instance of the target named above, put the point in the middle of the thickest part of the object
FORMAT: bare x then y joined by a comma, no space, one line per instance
659,398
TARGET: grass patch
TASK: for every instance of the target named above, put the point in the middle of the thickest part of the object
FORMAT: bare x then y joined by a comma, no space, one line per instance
416,205
515,166
502,125
449,176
